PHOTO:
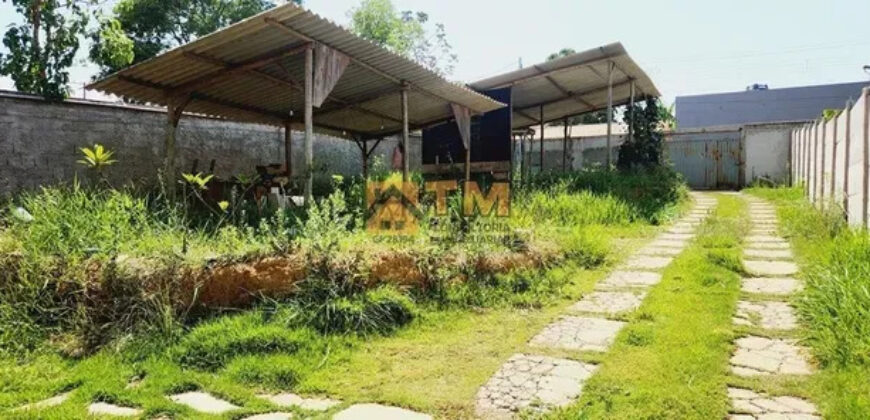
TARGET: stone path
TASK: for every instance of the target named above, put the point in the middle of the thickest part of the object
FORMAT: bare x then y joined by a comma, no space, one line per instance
768,260
539,383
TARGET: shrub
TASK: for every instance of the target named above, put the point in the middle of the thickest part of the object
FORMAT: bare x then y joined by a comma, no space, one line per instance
379,310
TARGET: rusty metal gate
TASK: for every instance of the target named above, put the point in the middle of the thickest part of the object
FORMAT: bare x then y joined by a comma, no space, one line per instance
708,160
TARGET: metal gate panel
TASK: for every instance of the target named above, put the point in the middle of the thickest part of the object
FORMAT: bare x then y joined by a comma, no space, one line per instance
708,160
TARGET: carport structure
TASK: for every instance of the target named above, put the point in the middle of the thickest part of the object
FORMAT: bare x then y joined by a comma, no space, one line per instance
291,68
587,81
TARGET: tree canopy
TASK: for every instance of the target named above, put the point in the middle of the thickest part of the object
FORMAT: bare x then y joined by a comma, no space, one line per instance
137,30
405,33
42,48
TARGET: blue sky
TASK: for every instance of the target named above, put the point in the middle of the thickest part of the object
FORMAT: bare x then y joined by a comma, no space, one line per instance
687,47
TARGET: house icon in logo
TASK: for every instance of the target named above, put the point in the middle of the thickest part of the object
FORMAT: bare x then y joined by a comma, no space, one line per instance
392,208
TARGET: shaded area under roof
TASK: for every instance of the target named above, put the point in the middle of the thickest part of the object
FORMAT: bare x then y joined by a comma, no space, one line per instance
571,85
253,71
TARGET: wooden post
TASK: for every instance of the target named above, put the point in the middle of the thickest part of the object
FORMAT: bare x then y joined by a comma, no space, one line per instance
847,156
406,134
610,66
565,146
288,149
541,157
174,109
365,160
631,112
309,124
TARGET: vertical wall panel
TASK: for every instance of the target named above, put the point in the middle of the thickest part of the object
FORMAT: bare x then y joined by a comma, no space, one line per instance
856,162
839,158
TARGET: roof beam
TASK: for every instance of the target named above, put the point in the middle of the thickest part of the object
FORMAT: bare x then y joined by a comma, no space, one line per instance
525,115
293,85
568,94
229,70
578,94
277,24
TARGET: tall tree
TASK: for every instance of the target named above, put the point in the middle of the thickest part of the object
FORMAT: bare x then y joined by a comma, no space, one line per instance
405,33
137,30
42,49
594,117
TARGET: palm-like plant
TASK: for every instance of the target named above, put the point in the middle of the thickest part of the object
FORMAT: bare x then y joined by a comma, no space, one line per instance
97,158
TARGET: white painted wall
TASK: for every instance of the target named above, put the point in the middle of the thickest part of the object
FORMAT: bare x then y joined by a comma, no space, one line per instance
766,151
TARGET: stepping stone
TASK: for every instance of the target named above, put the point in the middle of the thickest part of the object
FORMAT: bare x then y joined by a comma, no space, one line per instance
203,402
765,356
536,383
751,405
578,333
686,229
293,400
646,262
676,236
652,250
609,303
763,231
270,416
764,238
669,243
48,402
770,268
378,412
767,315
770,254
768,245
781,286
628,279
106,409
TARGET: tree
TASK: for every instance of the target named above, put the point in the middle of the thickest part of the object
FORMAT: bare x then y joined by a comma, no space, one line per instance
594,117
137,30
42,49
644,148
404,33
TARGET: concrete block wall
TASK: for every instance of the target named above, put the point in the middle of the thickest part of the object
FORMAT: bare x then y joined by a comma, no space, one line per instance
40,141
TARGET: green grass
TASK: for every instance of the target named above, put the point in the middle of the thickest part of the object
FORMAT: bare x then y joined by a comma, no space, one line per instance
671,360
834,308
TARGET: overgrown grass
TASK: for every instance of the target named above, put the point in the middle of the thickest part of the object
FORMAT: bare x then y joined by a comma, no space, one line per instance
835,304
670,361
135,329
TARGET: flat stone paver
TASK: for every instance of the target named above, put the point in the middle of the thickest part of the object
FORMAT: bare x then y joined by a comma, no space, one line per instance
628,279
523,380
765,356
682,229
767,315
288,399
780,286
48,402
770,268
379,412
204,402
646,262
106,409
770,254
610,303
676,236
763,238
270,416
669,243
749,404
578,333
654,250
768,245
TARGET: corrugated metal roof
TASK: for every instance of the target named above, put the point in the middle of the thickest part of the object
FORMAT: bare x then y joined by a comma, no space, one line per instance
571,85
266,73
